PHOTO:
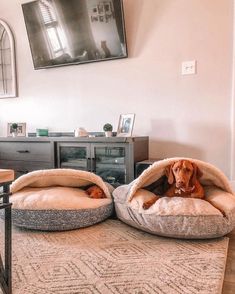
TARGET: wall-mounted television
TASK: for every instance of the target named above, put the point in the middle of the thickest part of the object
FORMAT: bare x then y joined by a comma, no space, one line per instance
64,32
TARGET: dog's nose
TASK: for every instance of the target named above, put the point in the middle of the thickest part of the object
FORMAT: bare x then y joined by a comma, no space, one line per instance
180,183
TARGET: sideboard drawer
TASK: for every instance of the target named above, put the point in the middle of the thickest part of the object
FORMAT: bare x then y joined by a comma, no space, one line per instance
23,167
35,151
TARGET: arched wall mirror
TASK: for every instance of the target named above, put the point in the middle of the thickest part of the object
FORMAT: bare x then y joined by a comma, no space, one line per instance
7,62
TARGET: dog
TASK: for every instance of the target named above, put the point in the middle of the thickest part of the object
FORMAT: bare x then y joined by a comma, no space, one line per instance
183,180
95,192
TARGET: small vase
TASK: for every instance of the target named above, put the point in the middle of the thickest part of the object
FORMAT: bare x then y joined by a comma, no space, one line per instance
108,134
14,134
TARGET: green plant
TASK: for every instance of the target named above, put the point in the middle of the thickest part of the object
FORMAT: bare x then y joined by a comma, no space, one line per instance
14,126
108,127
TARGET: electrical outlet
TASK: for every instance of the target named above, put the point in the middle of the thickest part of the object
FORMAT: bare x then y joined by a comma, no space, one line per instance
188,67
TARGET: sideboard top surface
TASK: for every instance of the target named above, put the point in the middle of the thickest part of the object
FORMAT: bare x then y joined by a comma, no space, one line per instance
75,139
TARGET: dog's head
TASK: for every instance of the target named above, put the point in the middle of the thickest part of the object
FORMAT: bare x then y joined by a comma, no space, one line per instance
183,173
95,192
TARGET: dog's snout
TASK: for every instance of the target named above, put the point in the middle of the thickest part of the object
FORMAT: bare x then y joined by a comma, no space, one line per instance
180,183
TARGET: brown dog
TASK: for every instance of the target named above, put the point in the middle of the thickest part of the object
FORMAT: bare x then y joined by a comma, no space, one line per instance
183,177
95,192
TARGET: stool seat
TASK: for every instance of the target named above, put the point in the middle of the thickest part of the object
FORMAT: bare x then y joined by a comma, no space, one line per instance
6,175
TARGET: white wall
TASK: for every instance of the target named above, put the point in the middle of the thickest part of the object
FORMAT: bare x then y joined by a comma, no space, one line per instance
183,115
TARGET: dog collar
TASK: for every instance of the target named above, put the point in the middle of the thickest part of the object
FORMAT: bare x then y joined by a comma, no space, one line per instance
180,190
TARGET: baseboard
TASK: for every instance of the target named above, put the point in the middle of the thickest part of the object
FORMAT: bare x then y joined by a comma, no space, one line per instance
232,183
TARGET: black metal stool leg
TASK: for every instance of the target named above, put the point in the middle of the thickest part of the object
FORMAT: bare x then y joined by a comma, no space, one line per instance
8,240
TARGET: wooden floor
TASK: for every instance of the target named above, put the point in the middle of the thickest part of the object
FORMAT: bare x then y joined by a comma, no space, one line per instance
229,280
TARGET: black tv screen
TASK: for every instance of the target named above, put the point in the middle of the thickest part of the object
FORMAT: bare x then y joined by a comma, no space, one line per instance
63,32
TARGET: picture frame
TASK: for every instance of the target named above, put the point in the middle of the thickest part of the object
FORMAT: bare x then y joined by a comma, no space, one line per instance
125,125
21,130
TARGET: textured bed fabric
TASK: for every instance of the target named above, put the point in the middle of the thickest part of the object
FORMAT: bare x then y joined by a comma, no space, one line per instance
54,200
179,217
60,220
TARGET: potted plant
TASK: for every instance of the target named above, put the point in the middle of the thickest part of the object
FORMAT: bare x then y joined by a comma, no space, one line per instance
108,130
14,128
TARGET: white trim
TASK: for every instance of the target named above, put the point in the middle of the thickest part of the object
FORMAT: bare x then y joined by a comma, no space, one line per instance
232,183
232,124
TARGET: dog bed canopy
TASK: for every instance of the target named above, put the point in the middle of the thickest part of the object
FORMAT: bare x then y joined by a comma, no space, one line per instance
55,200
179,217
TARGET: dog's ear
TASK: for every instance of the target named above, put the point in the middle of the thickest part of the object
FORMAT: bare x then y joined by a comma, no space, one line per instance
169,174
196,173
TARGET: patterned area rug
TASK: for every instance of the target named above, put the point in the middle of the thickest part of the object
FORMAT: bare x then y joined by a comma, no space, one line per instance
112,257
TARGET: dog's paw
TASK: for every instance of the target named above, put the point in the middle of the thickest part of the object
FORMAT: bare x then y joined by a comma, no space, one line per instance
146,205
149,203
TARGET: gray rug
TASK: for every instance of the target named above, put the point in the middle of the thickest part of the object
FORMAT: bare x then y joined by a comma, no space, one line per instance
112,257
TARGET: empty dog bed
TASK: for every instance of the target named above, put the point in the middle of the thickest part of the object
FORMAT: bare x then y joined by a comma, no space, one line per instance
56,200
177,216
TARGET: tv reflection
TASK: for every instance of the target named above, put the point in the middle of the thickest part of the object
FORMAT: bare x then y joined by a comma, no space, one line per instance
74,31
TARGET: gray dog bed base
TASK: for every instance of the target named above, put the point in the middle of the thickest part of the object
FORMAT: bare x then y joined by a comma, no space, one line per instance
60,220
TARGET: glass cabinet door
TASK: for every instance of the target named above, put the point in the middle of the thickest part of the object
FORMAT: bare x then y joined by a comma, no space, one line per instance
110,163
74,156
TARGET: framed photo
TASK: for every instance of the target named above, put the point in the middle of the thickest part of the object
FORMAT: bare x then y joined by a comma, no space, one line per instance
21,130
125,125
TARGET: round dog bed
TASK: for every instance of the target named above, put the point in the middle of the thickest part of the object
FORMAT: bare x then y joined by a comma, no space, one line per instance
177,216
55,200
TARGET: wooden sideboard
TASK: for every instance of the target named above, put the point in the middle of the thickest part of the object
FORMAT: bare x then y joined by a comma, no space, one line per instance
112,158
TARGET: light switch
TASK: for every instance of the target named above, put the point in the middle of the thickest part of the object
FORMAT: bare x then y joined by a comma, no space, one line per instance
188,67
